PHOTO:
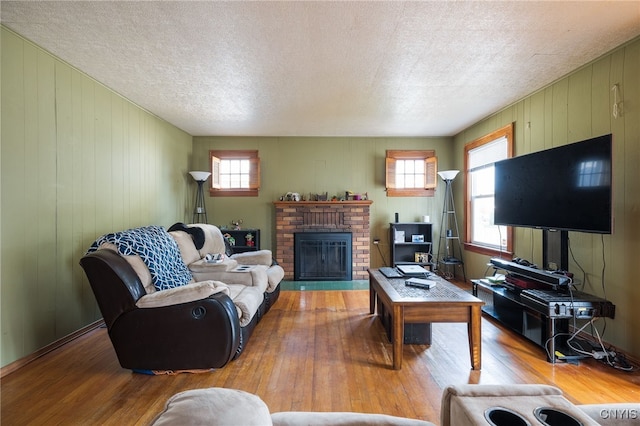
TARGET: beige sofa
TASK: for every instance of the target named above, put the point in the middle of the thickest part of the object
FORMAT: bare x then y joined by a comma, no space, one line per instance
462,405
152,303
249,279
226,407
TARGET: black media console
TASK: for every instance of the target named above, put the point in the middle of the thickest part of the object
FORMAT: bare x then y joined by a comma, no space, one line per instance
540,314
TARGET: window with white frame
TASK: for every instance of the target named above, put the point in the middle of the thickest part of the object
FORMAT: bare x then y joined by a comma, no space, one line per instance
410,173
234,173
481,234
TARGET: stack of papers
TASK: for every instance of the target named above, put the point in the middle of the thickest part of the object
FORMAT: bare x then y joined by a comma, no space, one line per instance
496,279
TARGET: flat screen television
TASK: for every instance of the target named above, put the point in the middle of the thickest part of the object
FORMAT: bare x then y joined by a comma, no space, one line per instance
564,188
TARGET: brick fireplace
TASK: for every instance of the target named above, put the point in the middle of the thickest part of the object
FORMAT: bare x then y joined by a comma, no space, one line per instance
323,216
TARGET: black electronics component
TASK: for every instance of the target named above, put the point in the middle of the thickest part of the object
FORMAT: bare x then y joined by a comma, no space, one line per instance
390,272
562,305
555,281
420,283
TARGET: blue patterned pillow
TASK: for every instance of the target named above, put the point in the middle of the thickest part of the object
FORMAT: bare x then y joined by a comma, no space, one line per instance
157,249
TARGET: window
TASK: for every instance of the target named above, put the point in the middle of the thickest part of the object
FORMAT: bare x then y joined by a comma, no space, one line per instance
481,235
234,173
411,173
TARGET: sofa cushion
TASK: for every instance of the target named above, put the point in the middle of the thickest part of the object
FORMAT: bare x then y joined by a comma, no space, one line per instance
275,274
188,250
157,249
214,406
249,275
197,234
296,418
183,294
247,300
204,266
213,239
259,257
138,266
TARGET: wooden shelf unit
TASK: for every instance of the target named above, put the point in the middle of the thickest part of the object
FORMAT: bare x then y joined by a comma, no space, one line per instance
404,250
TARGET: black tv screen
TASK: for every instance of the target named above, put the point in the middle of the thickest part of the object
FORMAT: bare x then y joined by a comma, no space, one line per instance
564,188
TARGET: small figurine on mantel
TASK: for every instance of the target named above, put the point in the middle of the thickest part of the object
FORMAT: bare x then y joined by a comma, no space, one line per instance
249,239
236,224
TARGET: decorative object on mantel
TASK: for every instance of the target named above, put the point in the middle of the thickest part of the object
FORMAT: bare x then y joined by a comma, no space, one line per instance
249,239
333,200
324,197
319,197
349,195
290,196
199,209
236,224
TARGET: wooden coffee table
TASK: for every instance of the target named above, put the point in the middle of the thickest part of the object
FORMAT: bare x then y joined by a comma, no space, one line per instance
409,305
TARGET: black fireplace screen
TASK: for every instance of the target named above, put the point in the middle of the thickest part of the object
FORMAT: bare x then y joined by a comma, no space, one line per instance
322,256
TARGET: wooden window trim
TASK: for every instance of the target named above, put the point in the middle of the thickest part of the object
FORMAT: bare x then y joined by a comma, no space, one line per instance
254,177
431,172
506,131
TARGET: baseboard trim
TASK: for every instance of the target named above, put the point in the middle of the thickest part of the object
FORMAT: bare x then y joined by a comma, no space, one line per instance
16,365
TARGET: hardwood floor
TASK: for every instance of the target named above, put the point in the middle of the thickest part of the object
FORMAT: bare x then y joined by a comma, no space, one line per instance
314,351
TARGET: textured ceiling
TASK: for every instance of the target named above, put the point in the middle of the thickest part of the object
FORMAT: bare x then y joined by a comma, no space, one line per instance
325,68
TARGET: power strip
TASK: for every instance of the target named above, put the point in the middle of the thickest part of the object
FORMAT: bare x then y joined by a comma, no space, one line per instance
602,354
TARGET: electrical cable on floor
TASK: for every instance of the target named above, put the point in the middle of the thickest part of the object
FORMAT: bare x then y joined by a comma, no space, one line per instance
574,335
599,352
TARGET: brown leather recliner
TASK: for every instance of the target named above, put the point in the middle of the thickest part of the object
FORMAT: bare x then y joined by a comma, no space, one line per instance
200,334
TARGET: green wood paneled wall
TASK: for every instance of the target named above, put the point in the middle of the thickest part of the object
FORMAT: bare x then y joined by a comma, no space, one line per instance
318,165
77,161
575,108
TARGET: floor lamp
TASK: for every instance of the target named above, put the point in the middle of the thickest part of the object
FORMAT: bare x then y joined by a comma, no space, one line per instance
449,233
199,209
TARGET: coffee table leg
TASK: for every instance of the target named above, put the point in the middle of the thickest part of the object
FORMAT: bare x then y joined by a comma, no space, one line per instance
398,335
475,337
372,298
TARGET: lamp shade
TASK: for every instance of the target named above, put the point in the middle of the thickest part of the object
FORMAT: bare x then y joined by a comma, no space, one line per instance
448,174
200,176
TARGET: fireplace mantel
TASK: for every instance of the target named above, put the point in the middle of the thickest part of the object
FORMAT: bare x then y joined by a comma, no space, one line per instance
322,203
323,216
